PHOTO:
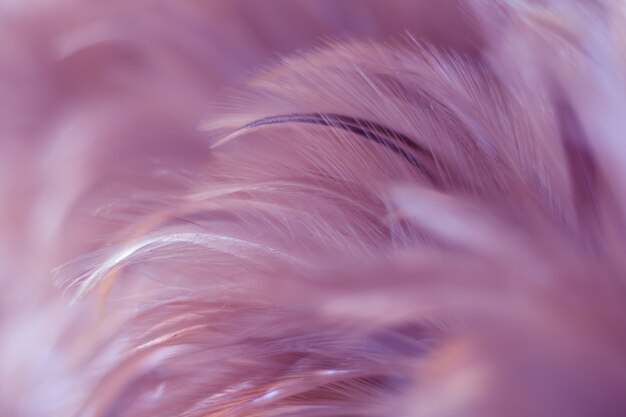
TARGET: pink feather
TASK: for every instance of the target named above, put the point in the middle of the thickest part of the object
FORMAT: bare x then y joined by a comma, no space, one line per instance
312,208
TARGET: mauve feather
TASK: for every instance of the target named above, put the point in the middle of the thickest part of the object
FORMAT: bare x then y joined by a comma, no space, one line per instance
312,208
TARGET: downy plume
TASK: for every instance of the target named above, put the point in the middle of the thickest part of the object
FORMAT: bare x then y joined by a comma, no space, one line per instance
313,208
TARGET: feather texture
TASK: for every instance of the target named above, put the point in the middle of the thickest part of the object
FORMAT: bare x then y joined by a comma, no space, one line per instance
426,222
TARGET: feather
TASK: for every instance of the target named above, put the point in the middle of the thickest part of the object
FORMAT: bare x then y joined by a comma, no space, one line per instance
268,218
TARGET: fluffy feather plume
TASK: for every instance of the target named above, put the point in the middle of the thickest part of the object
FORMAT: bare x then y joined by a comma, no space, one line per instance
425,218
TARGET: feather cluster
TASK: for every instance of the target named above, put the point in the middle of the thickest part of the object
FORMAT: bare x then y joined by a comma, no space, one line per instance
424,219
